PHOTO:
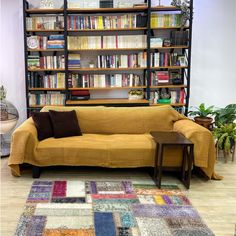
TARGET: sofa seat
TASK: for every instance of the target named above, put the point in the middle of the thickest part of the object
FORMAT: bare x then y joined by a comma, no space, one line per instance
107,150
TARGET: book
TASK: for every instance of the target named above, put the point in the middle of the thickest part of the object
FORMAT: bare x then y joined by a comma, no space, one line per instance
156,42
104,80
73,61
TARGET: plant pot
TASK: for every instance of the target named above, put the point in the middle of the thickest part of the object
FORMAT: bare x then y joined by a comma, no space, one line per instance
135,97
204,121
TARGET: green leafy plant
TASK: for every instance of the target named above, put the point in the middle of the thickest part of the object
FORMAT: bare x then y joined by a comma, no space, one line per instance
226,136
3,93
136,92
225,115
185,9
202,111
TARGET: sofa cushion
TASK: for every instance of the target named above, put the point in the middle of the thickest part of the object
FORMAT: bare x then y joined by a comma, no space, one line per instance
65,123
43,125
116,150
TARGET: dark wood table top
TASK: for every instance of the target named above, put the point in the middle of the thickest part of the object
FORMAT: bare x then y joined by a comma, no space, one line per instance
170,138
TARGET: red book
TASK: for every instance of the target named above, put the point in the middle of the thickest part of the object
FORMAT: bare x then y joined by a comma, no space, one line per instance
80,92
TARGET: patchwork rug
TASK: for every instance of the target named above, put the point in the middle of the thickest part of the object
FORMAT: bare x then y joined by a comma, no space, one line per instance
121,208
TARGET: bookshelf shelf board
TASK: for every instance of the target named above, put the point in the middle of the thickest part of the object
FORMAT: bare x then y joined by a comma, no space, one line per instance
45,11
46,69
168,86
108,49
171,104
171,47
107,69
95,10
109,88
40,106
168,67
46,89
45,30
46,50
115,29
170,27
165,8
107,101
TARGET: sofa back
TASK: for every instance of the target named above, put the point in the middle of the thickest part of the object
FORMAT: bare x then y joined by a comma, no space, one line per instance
123,120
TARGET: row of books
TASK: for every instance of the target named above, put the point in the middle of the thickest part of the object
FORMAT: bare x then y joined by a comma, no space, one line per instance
165,20
167,59
36,80
49,98
122,61
107,42
46,42
46,62
104,80
106,22
45,22
174,95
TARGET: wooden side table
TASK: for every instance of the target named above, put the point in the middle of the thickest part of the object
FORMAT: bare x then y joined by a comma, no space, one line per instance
164,139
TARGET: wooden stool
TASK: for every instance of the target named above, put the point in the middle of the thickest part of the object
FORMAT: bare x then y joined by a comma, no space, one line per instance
164,139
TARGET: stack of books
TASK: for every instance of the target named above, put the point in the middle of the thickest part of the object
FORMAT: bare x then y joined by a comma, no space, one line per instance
77,95
73,61
163,77
55,42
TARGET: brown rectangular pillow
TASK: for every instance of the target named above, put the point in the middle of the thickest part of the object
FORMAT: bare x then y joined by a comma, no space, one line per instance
65,123
43,125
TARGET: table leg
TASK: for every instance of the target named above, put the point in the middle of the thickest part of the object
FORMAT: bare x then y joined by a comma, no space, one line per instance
156,160
190,162
184,151
160,160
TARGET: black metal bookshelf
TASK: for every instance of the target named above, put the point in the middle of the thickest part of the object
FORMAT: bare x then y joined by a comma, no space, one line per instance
148,30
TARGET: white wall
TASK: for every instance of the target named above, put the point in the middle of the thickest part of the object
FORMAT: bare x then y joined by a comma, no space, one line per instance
213,78
213,53
12,54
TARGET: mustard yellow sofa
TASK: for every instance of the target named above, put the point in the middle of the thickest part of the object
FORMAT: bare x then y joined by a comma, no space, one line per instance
112,137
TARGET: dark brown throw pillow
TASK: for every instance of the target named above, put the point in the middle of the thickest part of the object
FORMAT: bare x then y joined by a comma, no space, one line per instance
43,125
65,123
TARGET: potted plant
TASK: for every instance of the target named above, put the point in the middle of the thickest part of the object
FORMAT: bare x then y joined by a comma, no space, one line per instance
225,115
135,94
202,115
226,138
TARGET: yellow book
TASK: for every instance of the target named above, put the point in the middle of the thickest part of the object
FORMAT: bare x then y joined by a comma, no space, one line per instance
100,22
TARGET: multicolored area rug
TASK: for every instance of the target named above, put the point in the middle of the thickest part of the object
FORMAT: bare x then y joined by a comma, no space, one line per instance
78,208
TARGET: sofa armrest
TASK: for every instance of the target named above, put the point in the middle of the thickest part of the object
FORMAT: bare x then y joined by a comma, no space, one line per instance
204,146
23,143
